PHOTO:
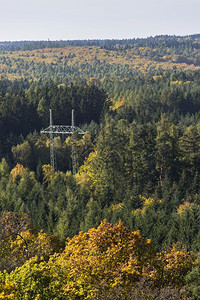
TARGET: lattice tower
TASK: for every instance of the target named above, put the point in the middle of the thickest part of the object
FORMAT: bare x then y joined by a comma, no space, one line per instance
54,130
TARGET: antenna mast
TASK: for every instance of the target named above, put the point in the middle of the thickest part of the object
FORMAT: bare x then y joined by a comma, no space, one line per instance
54,130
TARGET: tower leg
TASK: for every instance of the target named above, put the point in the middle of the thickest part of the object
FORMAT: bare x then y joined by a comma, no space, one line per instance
52,151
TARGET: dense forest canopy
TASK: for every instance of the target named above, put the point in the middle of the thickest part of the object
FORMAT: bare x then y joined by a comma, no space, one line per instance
138,102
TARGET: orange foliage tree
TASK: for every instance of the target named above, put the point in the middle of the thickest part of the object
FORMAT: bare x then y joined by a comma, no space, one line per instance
107,259
108,256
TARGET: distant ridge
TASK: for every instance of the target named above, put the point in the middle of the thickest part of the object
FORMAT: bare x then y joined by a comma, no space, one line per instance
168,40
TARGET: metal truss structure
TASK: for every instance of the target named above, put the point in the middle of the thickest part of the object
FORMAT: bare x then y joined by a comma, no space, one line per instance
54,130
62,129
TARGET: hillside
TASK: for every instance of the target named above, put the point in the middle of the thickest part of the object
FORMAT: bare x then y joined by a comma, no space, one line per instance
138,102
98,59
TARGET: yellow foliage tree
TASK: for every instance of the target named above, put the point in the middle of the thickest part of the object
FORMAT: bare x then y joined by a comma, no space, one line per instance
174,264
17,172
48,172
87,176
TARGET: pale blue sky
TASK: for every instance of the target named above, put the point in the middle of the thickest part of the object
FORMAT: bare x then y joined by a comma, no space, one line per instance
96,19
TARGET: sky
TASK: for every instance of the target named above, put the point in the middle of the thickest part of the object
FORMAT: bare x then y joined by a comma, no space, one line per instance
96,19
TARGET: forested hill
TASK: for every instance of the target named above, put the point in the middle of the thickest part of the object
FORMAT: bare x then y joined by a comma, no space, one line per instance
79,60
138,102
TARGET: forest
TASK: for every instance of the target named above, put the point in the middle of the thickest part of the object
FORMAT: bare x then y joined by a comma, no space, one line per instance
127,224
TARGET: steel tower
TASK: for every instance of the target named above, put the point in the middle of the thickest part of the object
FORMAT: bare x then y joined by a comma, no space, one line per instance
54,130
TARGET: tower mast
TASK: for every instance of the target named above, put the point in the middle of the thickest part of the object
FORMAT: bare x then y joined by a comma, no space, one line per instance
74,152
52,152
